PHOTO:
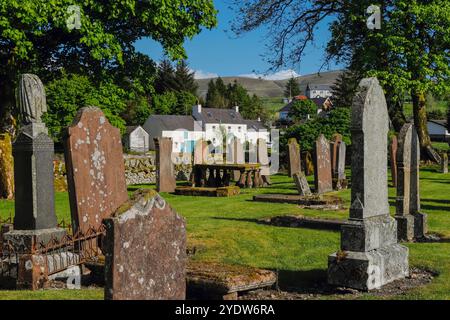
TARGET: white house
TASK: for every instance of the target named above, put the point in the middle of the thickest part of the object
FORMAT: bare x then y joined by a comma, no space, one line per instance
211,124
136,139
437,130
318,91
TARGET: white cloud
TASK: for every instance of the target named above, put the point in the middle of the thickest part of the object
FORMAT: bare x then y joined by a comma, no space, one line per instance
280,75
199,74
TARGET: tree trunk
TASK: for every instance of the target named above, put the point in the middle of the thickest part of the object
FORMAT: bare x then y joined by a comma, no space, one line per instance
420,122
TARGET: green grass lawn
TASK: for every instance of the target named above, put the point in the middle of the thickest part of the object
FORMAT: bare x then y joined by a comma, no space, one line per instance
225,230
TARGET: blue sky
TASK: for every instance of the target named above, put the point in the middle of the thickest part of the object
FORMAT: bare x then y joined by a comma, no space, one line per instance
219,52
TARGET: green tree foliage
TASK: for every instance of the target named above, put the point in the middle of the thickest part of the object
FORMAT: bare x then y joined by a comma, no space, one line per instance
336,121
234,94
185,101
409,54
34,37
344,89
66,95
301,109
165,79
185,79
292,88
215,97
164,103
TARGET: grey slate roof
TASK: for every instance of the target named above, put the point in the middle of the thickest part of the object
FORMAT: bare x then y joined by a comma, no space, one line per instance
439,122
254,124
172,122
214,115
318,87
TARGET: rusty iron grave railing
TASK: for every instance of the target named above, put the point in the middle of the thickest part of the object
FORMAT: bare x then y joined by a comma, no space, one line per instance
57,254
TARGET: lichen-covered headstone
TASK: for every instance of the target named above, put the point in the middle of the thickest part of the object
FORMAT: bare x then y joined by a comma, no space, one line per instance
334,146
370,255
165,177
263,159
302,184
145,250
393,157
6,168
322,168
95,169
341,179
411,223
294,163
238,156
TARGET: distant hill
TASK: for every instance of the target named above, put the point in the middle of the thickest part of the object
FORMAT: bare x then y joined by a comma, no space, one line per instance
273,88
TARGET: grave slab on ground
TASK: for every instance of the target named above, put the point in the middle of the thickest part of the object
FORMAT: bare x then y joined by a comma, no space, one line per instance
319,202
206,280
208,192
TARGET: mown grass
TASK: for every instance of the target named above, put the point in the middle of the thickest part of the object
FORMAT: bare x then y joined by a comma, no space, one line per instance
226,230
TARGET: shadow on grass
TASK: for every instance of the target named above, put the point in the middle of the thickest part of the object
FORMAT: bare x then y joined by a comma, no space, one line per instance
431,207
435,200
323,225
305,282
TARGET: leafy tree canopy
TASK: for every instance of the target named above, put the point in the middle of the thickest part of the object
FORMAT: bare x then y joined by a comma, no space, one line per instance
34,36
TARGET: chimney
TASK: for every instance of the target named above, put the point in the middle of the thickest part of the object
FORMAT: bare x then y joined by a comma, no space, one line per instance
236,108
259,119
196,109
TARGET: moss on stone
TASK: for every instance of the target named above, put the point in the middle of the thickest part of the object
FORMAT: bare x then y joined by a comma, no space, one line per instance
145,194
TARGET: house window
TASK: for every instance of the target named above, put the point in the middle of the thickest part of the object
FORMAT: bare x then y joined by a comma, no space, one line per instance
239,129
214,127
229,128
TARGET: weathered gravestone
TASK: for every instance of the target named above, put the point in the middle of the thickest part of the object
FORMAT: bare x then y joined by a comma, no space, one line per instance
201,153
322,167
95,169
238,156
302,184
340,177
393,157
35,219
411,224
145,250
444,163
33,150
165,176
263,159
370,256
334,150
294,164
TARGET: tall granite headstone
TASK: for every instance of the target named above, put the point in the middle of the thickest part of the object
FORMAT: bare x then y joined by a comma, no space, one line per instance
165,176
35,218
444,163
370,256
263,159
393,157
95,169
145,250
322,167
334,146
294,164
411,223
238,156
340,178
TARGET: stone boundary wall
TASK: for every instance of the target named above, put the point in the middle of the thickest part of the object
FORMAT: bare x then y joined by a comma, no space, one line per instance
138,170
